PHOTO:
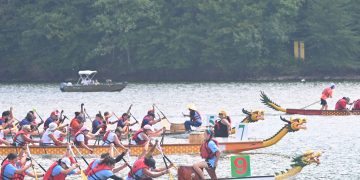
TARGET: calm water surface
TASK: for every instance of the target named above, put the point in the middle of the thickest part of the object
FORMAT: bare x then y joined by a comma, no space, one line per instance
337,137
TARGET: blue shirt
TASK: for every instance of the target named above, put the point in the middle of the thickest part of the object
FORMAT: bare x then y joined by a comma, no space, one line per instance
95,124
95,163
121,123
48,121
102,174
57,170
9,171
2,120
213,147
25,122
145,121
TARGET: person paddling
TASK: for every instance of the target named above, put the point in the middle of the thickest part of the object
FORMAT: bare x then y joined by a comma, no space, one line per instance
209,151
51,136
149,118
113,137
6,120
105,170
195,118
143,136
341,104
10,169
356,105
22,137
76,123
54,117
82,137
222,125
327,93
98,123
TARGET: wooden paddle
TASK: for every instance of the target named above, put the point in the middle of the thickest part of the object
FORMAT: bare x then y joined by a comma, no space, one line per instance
161,152
31,160
82,157
310,104
166,125
87,115
83,176
37,127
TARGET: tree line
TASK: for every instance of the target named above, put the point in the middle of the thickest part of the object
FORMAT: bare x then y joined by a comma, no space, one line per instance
43,40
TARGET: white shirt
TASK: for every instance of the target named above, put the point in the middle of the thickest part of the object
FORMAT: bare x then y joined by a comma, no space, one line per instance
110,138
57,134
1,134
80,138
46,139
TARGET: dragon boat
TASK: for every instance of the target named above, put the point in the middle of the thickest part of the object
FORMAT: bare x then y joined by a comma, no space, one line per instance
291,125
298,163
266,100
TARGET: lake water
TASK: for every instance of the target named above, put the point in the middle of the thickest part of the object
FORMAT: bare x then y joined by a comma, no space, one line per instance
337,137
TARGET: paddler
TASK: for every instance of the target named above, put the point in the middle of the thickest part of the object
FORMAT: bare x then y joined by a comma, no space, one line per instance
327,93
113,137
195,118
105,170
77,123
98,123
356,105
209,151
54,117
52,136
29,119
150,118
222,126
22,137
82,137
6,120
341,104
10,168
143,136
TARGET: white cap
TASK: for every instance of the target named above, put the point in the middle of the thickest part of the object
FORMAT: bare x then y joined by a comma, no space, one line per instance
149,127
52,126
66,161
332,85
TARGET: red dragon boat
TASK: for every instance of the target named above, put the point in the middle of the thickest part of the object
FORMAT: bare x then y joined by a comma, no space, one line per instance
266,100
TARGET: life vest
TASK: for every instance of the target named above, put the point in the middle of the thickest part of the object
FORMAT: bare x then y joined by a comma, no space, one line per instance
15,177
21,132
89,168
196,116
139,164
76,142
137,139
356,105
205,151
48,175
103,129
105,138
98,168
340,105
220,129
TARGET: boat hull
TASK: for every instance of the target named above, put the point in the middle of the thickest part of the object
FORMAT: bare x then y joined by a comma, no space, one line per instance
94,88
322,112
229,147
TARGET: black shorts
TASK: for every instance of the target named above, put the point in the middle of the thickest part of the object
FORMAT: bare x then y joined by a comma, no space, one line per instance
209,165
323,102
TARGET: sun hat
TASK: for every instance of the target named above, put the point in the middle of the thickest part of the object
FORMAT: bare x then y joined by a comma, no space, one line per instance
191,106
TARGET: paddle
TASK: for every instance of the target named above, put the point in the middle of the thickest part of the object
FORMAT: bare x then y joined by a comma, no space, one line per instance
37,127
88,115
32,165
35,160
161,152
82,157
83,176
310,104
169,123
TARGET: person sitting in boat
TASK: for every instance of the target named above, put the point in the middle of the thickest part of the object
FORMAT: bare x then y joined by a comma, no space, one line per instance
143,135
95,162
145,168
327,93
22,137
209,151
222,125
54,117
356,105
76,123
82,137
52,136
29,119
11,169
61,168
149,118
341,104
6,120
98,123
111,137
124,122
105,170
3,133
195,118
106,121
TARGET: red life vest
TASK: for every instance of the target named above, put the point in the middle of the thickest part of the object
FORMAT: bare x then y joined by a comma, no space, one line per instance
341,104
15,177
98,168
21,132
103,129
105,138
88,169
356,105
76,142
205,151
48,173
137,139
139,164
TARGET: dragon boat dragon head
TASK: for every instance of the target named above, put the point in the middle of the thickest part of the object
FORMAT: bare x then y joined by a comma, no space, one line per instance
295,124
268,102
309,157
253,116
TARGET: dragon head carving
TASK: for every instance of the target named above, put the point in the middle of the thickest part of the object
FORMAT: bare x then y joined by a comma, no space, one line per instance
309,157
295,124
253,116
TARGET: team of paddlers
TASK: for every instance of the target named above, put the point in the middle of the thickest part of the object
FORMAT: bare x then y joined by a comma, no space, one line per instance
341,104
56,133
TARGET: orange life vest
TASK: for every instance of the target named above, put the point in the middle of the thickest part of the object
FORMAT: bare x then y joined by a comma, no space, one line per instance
205,151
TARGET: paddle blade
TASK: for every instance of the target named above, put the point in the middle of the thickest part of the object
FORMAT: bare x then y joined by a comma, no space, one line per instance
165,123
83,176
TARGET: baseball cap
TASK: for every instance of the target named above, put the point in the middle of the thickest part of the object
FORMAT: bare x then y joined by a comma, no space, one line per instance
66,161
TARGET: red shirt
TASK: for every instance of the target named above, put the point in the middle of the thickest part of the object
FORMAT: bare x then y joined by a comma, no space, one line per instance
356,105
327,92
340,105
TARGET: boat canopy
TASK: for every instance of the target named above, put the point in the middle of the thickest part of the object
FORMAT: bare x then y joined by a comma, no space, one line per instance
87,72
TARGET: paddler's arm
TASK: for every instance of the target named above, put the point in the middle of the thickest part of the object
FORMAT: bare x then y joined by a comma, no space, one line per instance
56,141
115,170
118,143
83,145
20,171
154,174
30,140
226,122
115,177
68,171
217,155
